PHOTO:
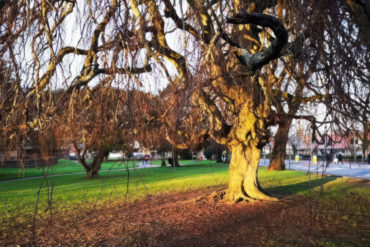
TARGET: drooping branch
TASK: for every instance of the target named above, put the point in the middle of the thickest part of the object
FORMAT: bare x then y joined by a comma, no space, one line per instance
219,129
81,158
159,42
257,60
138,70
203,18
170,12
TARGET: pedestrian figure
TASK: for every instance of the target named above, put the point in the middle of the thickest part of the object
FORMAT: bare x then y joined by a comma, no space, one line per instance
340,158
328,159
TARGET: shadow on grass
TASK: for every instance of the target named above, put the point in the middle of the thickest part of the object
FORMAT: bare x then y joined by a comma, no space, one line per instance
303,187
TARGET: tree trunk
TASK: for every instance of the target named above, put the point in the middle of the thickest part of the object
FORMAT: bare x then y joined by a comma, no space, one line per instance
92,169
243,182
163,163
219,157
175,158
277,159
227,157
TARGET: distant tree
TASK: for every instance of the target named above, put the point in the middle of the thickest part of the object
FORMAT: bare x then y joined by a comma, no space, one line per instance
98,123
345,67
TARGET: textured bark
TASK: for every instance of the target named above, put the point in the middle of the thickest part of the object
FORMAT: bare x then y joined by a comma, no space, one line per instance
243,182
256,60
277,160
92,169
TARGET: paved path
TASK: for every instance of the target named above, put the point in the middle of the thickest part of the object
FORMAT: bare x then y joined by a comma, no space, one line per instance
354,170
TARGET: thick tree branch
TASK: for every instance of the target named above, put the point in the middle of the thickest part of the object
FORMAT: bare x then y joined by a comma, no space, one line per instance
257,60
159,42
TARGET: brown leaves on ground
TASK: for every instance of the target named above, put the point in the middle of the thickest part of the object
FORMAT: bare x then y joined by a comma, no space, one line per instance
177,219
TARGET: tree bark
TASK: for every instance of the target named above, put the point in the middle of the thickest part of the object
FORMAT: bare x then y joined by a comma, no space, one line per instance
243,182
92,169
277,160
176,158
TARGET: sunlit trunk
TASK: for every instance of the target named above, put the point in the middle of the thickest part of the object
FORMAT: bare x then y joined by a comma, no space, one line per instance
243,182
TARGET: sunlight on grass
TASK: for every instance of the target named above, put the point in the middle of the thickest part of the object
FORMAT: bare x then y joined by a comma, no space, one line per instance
18,198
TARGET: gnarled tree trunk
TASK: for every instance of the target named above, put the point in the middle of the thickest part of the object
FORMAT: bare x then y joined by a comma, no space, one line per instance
243,182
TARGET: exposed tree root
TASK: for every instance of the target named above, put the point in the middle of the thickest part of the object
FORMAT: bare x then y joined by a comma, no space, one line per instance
223,196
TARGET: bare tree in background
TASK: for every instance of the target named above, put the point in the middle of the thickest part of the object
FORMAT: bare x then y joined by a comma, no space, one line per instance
344,59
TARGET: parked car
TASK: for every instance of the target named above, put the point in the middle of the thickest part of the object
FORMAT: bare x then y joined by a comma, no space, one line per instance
115,156
138,156
72,156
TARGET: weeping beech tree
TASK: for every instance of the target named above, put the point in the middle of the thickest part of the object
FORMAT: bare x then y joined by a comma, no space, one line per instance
347,69
102,120
331,66
95,127
220,57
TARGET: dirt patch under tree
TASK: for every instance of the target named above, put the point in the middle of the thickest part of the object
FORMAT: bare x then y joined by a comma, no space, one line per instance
177,219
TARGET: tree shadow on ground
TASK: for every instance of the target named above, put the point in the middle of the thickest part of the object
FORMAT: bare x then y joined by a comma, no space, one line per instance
297,188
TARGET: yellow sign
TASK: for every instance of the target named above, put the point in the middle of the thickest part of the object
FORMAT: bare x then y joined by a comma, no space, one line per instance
296,158
314,159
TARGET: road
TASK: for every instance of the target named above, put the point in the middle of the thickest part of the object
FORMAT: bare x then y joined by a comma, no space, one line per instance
354,170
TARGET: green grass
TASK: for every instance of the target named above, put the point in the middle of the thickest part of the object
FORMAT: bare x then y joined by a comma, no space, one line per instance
62,167
67,167
18,198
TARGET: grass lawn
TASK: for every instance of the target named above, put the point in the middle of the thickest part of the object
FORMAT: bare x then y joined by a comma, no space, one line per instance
75,194
18,198
68,166
62,167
